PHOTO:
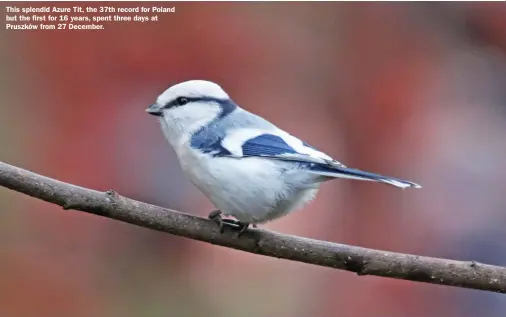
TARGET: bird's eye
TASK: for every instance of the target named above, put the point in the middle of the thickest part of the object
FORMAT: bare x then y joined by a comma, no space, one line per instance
182,101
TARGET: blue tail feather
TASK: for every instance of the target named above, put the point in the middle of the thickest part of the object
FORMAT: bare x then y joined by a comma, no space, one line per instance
344,172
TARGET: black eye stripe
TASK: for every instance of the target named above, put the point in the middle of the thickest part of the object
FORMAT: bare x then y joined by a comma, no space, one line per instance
176,102
182,101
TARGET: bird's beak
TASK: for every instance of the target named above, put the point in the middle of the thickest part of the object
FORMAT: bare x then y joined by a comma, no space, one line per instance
154,109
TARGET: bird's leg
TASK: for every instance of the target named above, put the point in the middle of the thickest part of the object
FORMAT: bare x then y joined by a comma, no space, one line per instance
232,223
216,217
243,227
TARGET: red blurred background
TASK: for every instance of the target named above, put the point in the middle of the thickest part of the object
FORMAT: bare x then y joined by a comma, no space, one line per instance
415,90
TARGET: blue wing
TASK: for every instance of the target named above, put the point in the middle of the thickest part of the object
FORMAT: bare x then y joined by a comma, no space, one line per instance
283,146
276,145
266,145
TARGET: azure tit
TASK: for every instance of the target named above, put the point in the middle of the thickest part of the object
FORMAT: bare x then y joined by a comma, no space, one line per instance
249,168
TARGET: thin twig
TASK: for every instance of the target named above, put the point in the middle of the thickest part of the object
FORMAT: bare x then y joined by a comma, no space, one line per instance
468,274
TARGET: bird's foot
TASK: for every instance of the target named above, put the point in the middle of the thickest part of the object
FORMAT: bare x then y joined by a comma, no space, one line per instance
216,217
240,226
243,227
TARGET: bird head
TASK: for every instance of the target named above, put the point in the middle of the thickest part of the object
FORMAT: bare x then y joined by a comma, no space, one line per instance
188,106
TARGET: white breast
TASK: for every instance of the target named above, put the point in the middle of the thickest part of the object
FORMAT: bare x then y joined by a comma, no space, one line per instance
253,190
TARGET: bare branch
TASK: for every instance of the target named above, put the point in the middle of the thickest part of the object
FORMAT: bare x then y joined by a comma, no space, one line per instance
350,258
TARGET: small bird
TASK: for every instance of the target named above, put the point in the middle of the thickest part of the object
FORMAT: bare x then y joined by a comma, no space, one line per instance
249,168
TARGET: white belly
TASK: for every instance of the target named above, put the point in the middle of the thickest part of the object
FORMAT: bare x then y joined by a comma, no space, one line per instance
253,190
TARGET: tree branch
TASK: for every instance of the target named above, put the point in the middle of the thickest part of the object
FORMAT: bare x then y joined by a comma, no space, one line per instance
350,258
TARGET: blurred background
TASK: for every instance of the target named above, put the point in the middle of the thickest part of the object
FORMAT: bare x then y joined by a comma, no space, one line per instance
416,91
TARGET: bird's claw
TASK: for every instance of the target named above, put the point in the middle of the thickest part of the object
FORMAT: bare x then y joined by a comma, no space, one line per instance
244,226
241,227
216,217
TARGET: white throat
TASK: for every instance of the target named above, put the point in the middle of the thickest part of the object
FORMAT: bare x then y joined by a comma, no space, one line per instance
179,124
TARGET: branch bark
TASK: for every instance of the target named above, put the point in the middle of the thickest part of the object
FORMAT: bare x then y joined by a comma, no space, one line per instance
468,274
